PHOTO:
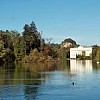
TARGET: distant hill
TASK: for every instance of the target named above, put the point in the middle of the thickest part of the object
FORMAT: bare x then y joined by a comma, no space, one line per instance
68,43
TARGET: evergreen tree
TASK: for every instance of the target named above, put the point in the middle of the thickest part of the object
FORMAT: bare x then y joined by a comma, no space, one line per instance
31,37
33,27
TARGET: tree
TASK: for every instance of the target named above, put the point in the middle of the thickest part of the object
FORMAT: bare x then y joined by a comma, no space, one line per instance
1,42
19,47
33,27
69,40
32,37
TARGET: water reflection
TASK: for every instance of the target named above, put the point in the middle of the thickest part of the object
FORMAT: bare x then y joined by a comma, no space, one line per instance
80,66
46,81
23,80
7,74
30,92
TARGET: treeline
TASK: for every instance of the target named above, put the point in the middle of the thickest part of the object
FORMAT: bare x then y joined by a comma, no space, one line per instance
96,52
26,46
29,46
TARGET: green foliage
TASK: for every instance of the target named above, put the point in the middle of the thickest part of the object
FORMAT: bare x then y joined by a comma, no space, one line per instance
34,56
7,55
55,47
64,50
19,47
32,37
96,52
29,46
1,45
61,53
69,40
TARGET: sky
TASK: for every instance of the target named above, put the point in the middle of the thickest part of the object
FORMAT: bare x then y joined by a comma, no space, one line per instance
57,19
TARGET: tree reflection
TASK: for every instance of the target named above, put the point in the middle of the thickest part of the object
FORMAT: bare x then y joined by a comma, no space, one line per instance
28,78
96,66
36,75
7,74
30,92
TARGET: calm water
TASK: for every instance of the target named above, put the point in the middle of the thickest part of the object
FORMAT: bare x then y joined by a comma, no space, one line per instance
51,81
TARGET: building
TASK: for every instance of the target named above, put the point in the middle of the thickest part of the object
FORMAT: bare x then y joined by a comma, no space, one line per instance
86,51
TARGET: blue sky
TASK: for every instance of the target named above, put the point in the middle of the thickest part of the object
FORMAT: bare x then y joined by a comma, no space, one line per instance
58,19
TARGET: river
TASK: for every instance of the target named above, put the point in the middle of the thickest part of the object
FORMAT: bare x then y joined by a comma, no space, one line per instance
67,80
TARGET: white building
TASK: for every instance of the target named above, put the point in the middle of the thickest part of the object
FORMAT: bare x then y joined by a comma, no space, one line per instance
79,51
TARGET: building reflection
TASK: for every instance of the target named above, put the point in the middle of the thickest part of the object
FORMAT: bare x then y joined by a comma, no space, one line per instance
80,66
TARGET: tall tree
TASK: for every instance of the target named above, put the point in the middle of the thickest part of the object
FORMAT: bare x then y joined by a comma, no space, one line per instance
19,47
33,27
31,37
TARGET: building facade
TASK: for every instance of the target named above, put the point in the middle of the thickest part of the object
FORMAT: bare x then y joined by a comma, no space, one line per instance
74,52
